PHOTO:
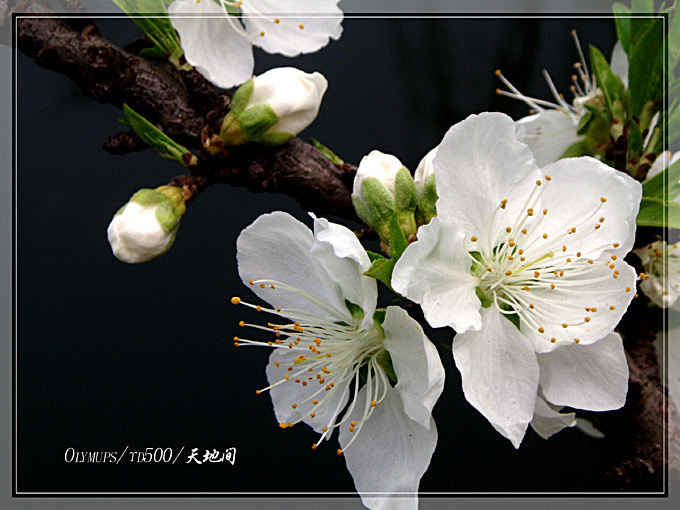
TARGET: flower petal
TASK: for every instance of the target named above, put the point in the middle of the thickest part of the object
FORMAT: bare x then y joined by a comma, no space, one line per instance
303,26
419,369
548,421
278,247
345,259
590,305
549,134
592,377
216,46
480,162
500,374
574,198
290,393
390,454
435,272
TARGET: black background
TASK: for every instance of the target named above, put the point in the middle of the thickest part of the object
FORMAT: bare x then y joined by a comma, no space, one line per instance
111,355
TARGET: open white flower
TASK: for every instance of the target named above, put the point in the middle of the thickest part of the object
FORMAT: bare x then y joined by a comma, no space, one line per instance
330,338
553,128
220,44
661,263
526,265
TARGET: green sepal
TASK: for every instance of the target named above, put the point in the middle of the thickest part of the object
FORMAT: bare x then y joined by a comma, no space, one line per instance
273,139
611,85
362,210
159,140
385,362
167,216
241,97
372,256
329,154
427,202
405,193
120,211
664,185
398,241
256,120
655,212
377,206
356,311
147,197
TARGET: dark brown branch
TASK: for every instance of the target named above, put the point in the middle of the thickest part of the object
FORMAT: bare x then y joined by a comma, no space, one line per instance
181,104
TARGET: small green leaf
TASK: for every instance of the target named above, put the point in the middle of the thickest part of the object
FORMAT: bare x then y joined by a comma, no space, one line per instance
159,140
382,270
374,256
158,28
621,13
664,185
329,154
655,212
610,84
398,241
646,52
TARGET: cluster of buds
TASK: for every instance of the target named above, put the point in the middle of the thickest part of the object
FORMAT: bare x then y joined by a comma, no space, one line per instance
146,226
383,187
274,107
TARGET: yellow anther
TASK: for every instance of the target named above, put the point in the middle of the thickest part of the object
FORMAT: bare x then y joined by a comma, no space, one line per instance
312,415
314,402
603,199
565,325
339,449
314,446
283,425
577,340
552,285
302,26
545,211
262,34
287,377
553,340
531,305
277,21
541,330
508,230
473,239
530,212
508,273
524,231
536,274
547,178
251,282
616,245
235,300
294,406
242,324
597,226
325,429
627,289
545,236
259,308
525,287
587,319
578,254
262,285
593,309
602,219
613,257
539,182
374,403
276,363
612,307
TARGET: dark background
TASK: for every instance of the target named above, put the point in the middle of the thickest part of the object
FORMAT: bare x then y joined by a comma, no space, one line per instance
112,355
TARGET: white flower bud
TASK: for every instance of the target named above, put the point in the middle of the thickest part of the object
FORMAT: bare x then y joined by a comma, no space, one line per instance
383,187
274,107
146,226
426,189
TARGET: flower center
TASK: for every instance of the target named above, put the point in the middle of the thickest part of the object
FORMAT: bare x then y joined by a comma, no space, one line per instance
529,275
333,355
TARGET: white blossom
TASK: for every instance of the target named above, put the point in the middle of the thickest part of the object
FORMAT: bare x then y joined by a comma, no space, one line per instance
218,35
552,129
328,339
526,265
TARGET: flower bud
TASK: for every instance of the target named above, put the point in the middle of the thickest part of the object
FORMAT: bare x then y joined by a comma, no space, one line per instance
426,189
146,226
274,107
383,187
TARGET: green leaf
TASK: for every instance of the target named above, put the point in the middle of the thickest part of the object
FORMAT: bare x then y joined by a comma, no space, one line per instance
158,140
610,84
382,270
374,256
635,142
664,185
621,12
655,212
398,241
158,28
329,154
644,79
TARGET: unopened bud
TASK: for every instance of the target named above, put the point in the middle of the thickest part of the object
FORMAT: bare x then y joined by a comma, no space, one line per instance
426,189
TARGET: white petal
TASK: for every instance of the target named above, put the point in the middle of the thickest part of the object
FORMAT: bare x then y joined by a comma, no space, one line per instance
425,168
216,47
548,421
549,134
435,272
574,196
390,455
419,370
345,259
378,165
569,301
592,377
500,374
287,393
304,26
479,163
619,63
278,247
